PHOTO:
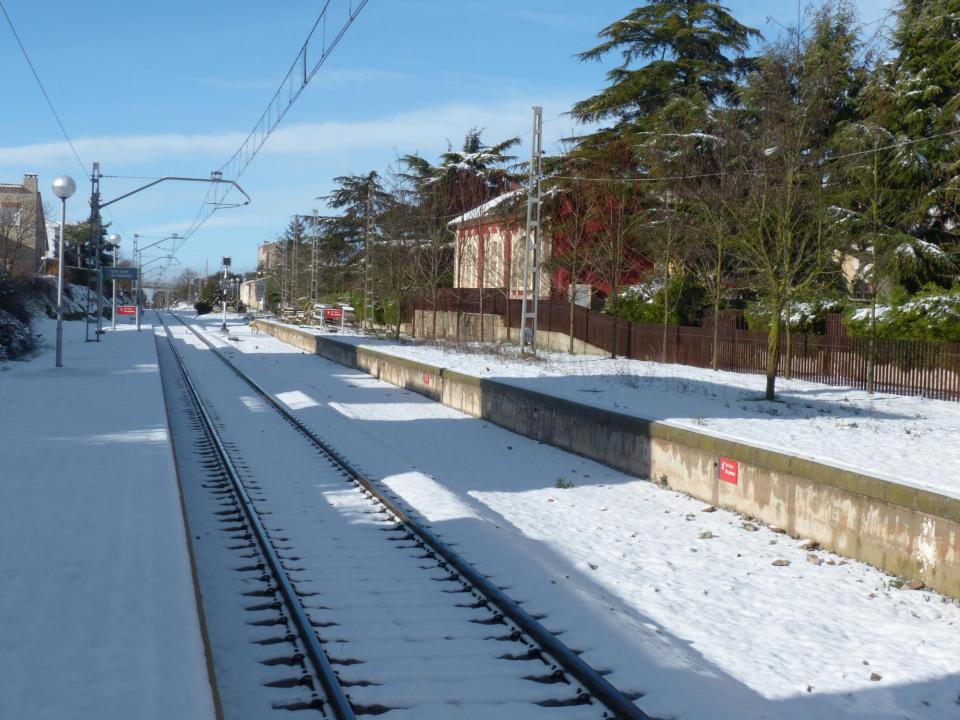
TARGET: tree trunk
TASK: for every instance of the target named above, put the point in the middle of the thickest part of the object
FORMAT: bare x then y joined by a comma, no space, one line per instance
666,317
570,325
872,342
773,351
714,360
788,349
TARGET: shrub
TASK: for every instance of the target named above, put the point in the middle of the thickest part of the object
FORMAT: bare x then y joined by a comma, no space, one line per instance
15,337
643,303
931,314
806,316
202,306
13,291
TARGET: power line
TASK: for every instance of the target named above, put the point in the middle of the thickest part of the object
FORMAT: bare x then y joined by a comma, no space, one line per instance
43,90
46,96
317,47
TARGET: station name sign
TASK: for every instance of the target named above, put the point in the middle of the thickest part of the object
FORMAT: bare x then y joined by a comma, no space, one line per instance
120,273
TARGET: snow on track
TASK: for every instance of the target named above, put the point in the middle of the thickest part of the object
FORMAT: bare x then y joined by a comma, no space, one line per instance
402,632
706,627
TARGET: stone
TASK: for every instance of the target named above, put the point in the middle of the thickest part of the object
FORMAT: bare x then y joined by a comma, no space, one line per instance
750,527
915,585
811,558
778,530
706,535
709,508
810,545
876,677
780,563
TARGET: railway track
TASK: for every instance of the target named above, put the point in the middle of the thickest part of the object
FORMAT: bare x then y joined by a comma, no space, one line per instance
382,616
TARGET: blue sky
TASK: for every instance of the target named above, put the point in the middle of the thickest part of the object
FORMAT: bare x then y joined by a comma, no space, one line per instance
172,88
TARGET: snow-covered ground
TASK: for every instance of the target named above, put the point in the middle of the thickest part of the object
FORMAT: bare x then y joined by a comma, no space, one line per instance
682,602
908,440
97,612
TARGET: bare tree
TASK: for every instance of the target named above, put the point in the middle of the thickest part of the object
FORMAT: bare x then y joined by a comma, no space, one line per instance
17,230
782,240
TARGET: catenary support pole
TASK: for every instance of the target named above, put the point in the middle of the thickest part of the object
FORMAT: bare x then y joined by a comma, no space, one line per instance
532,246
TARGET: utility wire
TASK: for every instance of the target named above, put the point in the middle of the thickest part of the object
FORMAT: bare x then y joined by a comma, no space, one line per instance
43,90
301,72
46,96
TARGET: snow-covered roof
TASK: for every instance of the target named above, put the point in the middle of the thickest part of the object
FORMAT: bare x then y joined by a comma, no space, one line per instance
482,211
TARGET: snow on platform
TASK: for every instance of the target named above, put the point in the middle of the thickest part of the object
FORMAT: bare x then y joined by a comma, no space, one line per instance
683,605
907,440
98,617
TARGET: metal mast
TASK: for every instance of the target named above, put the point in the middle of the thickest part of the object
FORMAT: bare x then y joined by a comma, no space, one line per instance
368,243
313,260
532,250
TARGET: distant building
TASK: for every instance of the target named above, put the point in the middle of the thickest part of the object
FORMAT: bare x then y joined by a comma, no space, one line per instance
253,294
23,230
270,255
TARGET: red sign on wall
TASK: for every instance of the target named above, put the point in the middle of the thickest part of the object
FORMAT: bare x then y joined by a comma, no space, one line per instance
729,470
426,378
126,309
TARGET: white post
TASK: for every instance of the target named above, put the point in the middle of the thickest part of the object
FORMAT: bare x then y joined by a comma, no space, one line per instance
113,294
224,290
63,226
136,292
63,187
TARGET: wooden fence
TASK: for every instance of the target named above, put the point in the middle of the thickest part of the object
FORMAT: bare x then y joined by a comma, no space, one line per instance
905,367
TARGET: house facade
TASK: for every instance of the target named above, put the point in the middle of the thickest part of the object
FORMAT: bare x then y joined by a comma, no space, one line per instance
489,249
23,230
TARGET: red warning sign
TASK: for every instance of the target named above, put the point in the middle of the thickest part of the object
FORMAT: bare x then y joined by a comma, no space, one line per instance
729,470
126,309
426,378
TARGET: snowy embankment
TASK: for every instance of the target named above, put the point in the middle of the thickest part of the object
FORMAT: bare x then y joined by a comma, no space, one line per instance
710,614
31,299
97,602
907,440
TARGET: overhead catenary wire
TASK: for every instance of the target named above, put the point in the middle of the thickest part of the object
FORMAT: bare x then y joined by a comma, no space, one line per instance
298,76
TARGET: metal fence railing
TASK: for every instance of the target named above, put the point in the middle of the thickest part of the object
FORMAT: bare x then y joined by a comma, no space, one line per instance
906,367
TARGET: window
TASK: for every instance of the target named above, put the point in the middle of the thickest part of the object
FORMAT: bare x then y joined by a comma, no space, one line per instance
10,216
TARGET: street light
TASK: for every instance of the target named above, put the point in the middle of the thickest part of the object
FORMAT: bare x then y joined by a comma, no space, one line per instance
114,241
225,263
63,187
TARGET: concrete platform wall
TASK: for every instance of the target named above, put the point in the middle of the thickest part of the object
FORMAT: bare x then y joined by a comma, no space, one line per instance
908,532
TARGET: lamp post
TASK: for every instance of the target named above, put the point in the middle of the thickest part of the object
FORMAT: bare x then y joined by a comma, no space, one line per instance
114,241
225,263
63,188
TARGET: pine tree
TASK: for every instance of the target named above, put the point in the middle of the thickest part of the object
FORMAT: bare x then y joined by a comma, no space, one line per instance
342,238
463,178
926,86
689,45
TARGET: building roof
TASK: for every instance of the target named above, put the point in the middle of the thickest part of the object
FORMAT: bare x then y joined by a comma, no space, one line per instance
482,211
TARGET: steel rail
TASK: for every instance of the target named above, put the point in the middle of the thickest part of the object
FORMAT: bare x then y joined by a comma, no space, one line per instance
335,696
597,686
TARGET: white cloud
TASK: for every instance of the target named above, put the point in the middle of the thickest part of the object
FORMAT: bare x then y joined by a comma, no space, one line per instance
424,131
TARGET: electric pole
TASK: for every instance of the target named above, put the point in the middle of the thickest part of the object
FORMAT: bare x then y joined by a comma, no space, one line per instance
532,249
95,241
368,243
313,260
